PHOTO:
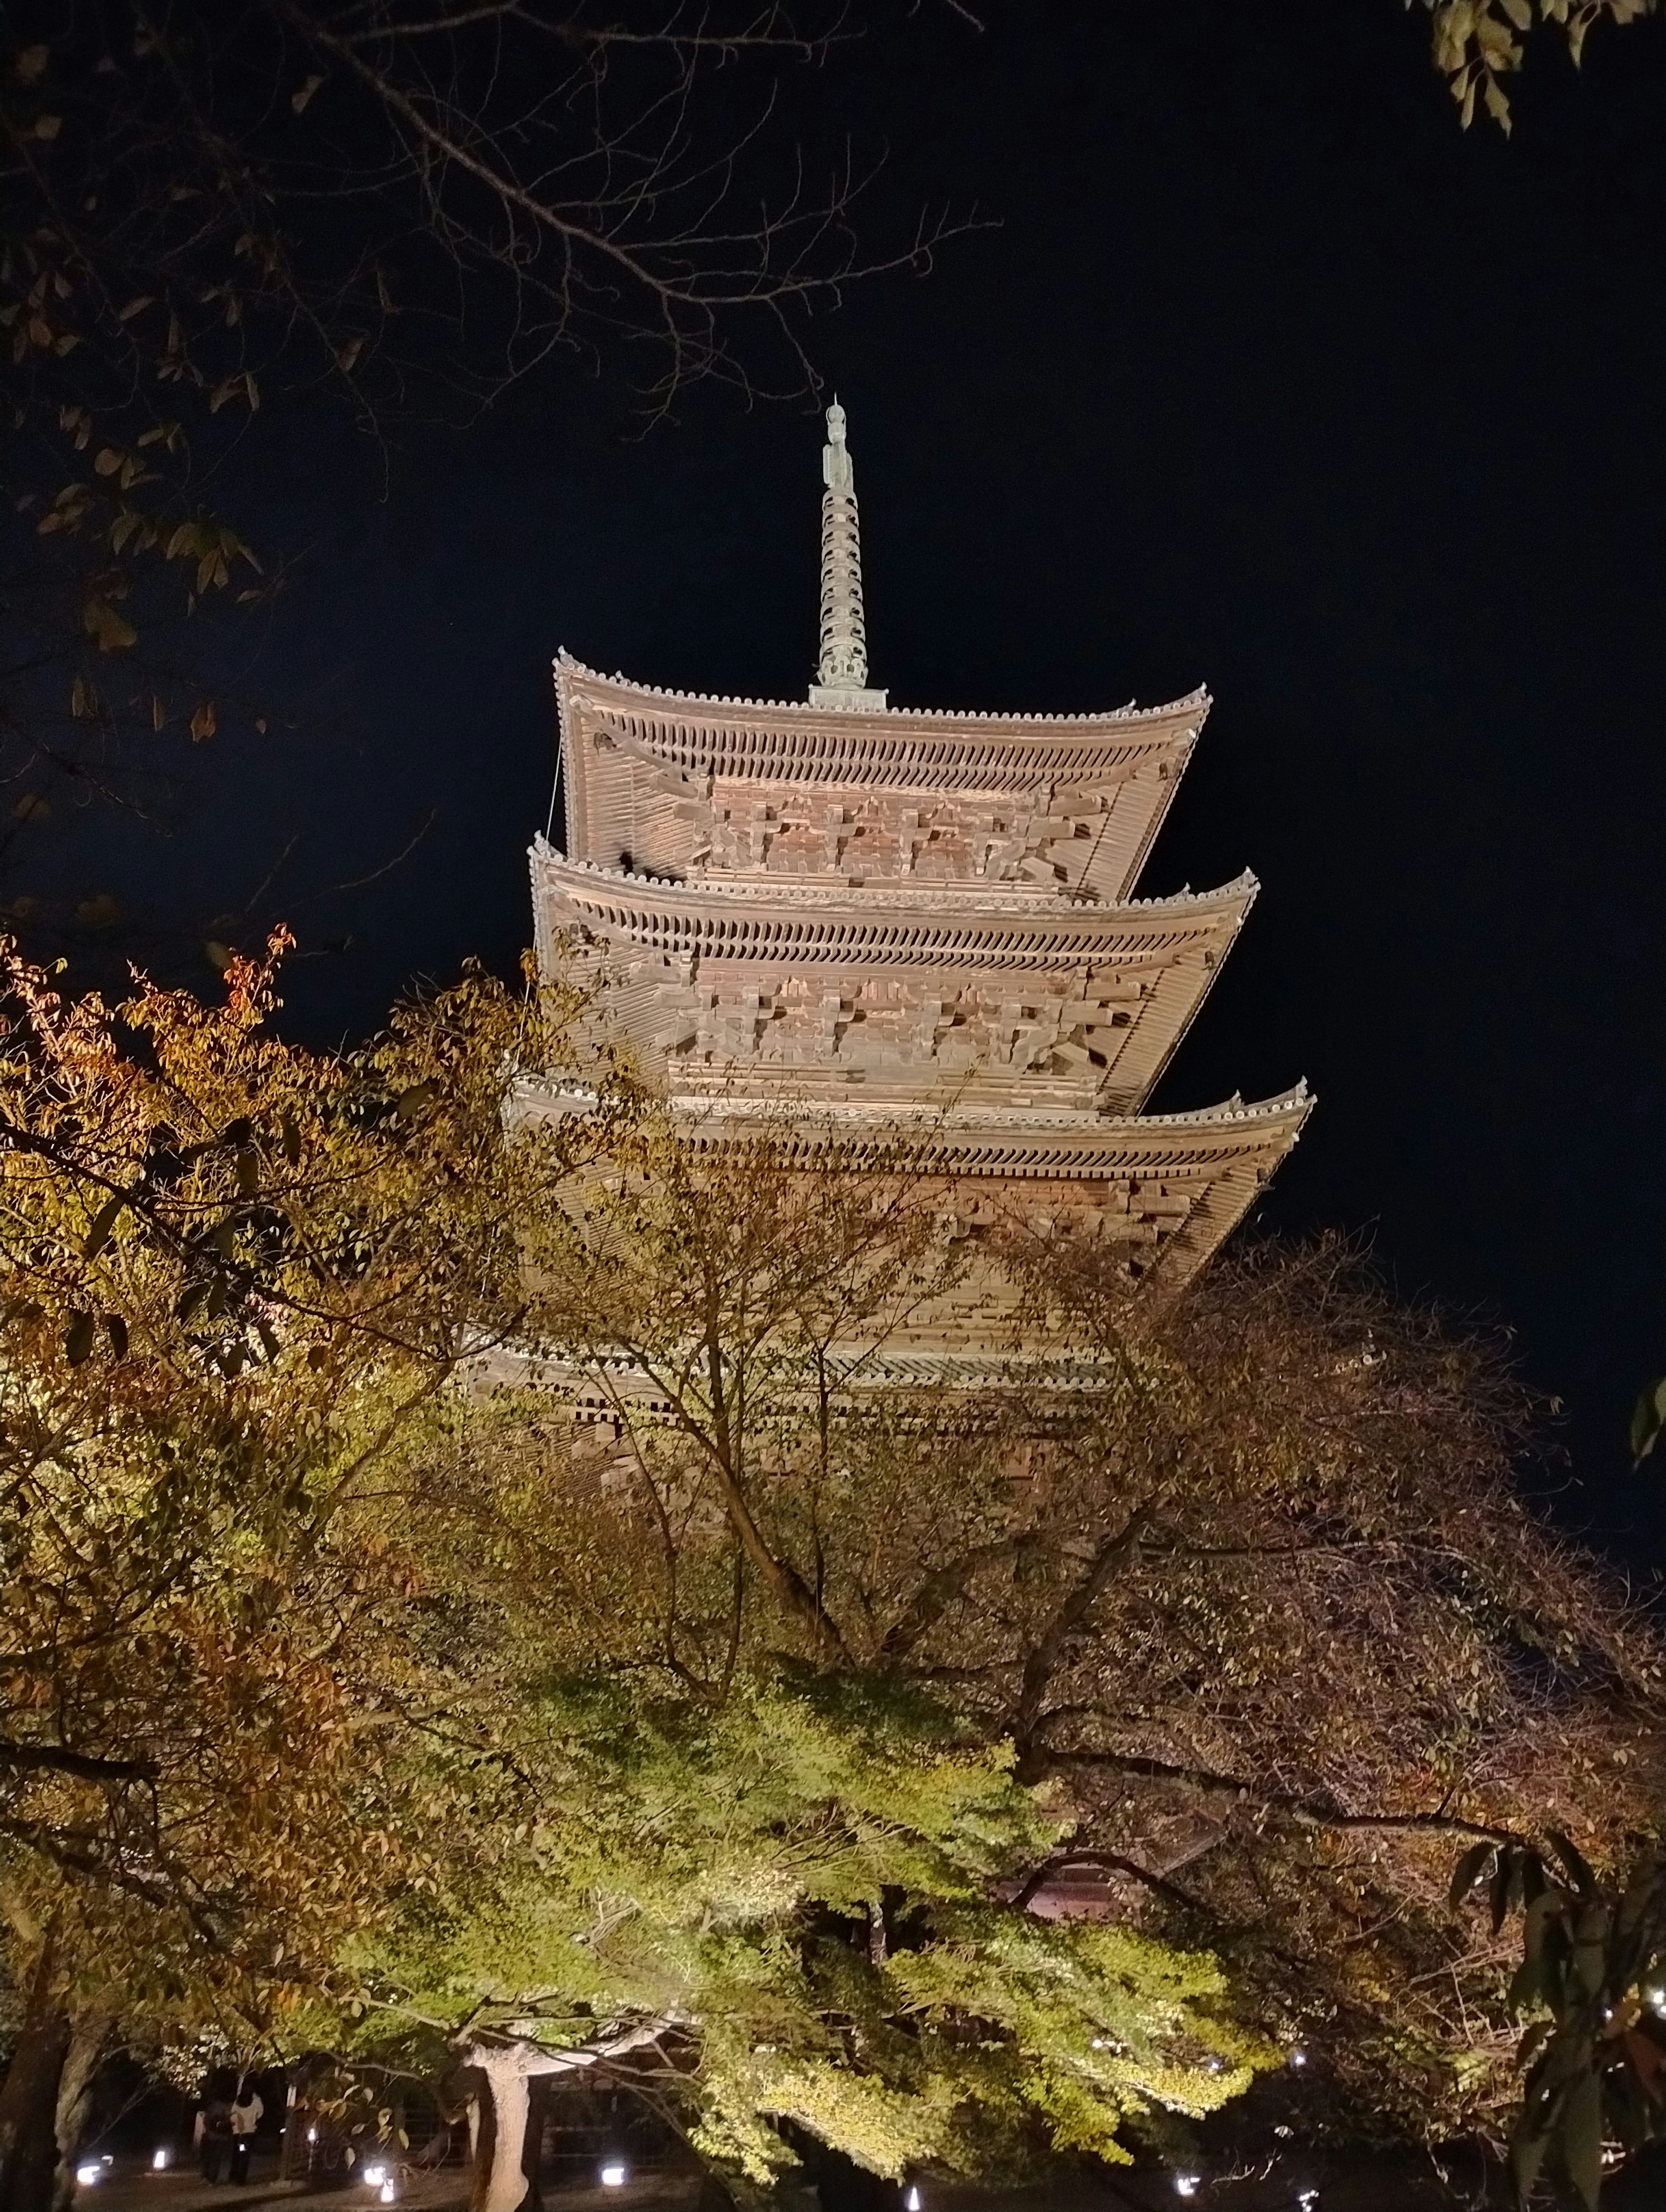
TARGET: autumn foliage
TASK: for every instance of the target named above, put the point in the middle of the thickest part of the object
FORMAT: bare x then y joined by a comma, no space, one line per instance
518,1515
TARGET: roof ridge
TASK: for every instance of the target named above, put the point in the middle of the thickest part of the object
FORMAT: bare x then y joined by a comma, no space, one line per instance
1044,900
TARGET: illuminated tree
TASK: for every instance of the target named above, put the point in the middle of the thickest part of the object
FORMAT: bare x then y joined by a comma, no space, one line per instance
1256,1587
232,1278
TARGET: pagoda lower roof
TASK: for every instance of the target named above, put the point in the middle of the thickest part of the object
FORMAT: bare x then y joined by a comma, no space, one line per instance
1166,1186
887,924
1017,1141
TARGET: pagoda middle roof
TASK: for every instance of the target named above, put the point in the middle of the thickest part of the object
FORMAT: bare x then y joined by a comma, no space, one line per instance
903,924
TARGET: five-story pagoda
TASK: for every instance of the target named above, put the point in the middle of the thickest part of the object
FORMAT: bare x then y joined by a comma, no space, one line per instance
901,924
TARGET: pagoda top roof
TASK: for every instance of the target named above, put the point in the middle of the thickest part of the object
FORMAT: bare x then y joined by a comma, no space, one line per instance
654,703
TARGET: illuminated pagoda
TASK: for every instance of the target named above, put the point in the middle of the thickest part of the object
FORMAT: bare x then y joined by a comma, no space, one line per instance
905,925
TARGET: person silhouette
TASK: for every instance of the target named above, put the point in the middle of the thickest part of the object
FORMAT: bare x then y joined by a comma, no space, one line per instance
247,2108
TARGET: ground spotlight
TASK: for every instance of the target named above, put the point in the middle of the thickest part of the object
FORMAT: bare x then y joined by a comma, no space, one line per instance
88,2173
160,2160
613,2174
1187,2185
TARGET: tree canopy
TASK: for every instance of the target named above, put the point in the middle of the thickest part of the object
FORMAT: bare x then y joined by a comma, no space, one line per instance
432,1462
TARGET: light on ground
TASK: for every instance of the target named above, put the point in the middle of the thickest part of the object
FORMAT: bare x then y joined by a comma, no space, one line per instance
160,2160
389,2192
613,2174
374,2175
914,2201
1186,2184
88,2174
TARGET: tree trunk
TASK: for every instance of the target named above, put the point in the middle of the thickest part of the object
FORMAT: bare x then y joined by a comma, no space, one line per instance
29,2099
76,2082
499,2133
509,2084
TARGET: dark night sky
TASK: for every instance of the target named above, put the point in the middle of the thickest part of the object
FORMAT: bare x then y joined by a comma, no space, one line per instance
1270,379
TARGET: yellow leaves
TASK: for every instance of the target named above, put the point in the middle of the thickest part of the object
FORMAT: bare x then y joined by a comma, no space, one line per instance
203,722
213,547
131,525
67,510
110,631
46,127
1478,42
127,468
230,387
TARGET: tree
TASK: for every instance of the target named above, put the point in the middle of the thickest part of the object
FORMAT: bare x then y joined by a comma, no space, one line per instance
778,1905
1259,1594
232,1278
1591,1982
698,1693
269,1759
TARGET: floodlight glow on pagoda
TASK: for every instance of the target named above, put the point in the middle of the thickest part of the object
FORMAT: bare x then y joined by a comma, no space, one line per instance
884,926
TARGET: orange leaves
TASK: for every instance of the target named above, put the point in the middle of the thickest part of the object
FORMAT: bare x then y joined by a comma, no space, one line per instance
202,723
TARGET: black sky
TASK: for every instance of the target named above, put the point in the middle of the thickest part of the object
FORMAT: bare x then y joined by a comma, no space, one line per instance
1270,379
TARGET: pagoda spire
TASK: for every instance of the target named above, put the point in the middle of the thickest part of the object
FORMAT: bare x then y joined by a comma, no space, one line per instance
842,673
